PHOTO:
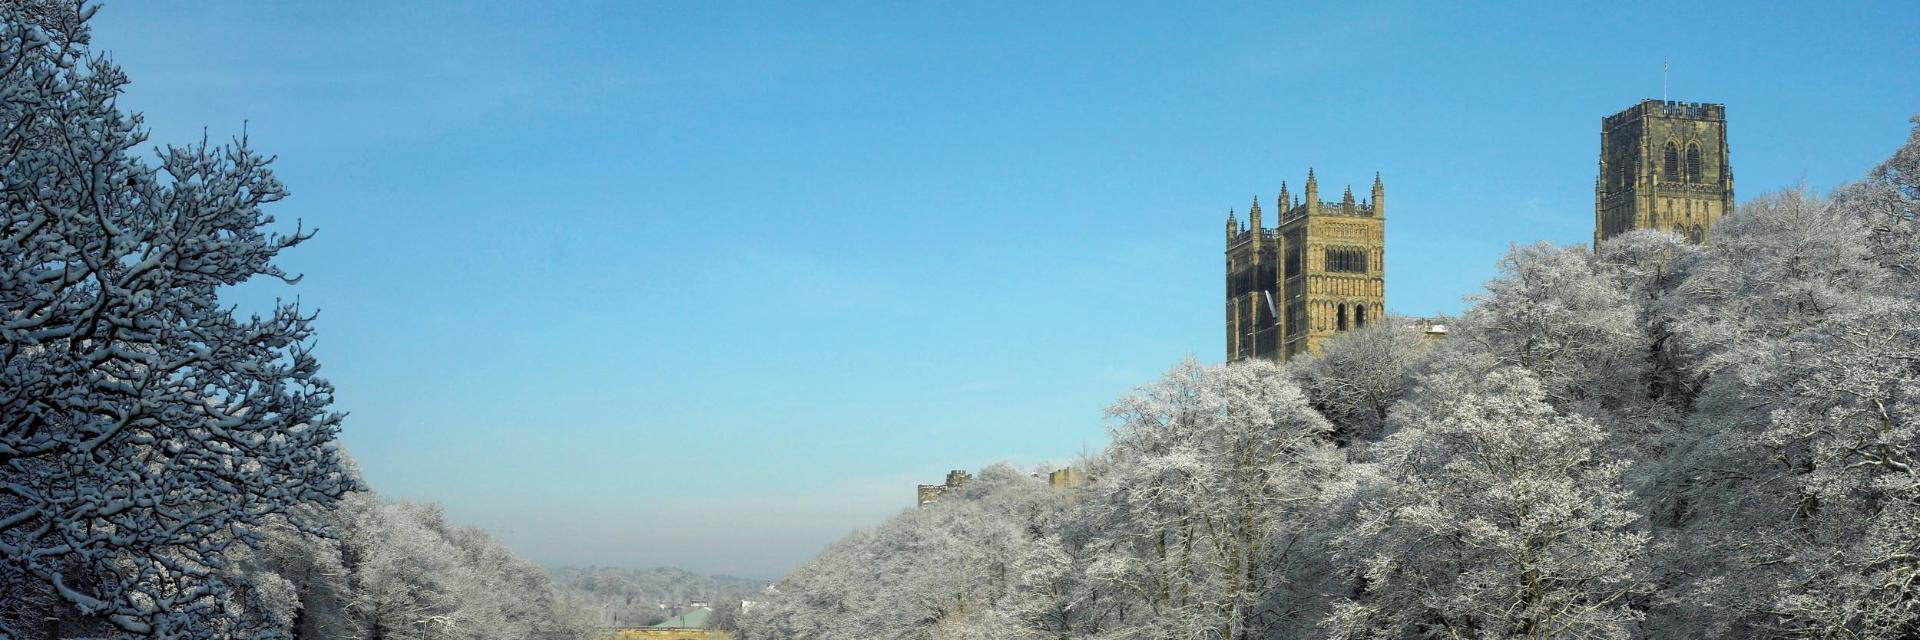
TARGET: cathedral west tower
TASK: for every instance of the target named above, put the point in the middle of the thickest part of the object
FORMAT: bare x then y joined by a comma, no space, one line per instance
1663,165
1319,271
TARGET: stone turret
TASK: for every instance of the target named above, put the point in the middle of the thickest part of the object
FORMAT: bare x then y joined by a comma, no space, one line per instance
1286,201
1253,221
1233,226
1346,202
1379,196
1313,193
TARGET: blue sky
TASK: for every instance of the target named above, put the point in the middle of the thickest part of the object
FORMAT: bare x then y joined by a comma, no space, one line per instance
711,285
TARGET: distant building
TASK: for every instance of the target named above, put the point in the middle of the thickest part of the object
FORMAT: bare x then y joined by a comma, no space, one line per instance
1663,165
1063,478
930,493
1430,328
1066,478
1320,272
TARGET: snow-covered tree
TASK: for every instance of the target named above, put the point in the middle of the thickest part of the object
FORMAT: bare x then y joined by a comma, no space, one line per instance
401,571
1782,263
1206,469
725,616
1359,375
1495,520
1552,314
1660,439
296,582
145,428
947,571
1789,481
1844,404
1648,265
1887,202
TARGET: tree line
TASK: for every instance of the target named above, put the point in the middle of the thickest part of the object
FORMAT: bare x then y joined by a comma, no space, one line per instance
1658,439
617,597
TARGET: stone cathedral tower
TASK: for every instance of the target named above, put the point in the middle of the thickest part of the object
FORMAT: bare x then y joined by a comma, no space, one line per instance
1321,270
1663,165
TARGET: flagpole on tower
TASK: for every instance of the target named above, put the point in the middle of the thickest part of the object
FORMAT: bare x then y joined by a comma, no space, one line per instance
1663,78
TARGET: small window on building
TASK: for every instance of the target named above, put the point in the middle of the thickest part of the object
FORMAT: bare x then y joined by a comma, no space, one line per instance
1341,319
1672,163
1360,317
1693,164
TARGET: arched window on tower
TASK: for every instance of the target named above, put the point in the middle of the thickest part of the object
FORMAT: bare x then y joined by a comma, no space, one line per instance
1341,319
1693,164
1360,317
1346,260
1671,166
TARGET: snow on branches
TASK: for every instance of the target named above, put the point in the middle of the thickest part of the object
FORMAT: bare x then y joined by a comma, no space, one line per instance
144,428
1659,439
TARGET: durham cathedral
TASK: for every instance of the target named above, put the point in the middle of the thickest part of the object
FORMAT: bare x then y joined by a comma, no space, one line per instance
1321,269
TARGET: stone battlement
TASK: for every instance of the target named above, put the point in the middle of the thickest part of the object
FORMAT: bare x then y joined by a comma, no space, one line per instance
1362,208
1246,235
927,494
1065,478
1667,109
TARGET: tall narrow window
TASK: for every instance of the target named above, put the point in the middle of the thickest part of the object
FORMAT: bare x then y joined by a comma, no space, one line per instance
1672,163
1346,260
1693,164
1342,318
1360,317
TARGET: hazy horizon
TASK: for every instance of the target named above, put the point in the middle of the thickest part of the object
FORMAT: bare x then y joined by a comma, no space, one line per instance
709,287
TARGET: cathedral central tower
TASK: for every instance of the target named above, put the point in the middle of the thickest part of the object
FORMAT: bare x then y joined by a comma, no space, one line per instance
1663,165
1320,271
